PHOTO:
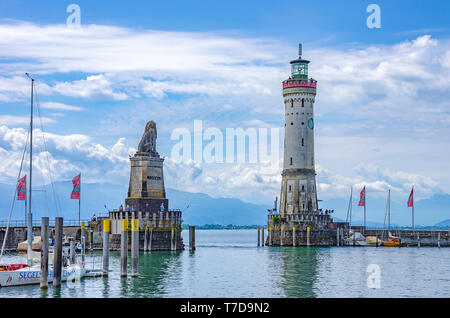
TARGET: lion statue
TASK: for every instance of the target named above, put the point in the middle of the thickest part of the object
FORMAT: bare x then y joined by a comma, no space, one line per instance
148,141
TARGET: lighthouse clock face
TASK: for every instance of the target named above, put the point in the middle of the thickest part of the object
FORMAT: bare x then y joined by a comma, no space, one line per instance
311,123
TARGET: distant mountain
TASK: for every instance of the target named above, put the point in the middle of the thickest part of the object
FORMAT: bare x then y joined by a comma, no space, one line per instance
445,223
203,209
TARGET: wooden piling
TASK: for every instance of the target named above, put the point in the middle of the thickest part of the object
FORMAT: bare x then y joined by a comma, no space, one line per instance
175,240
146,239
270,236
57,252
439,239
418,240
192,238
124,248
172,239
83,242
106,232
72,251
307,235
282,236
134,247
150,239
91,239
44,253
262,237
337,236
259,237
293,237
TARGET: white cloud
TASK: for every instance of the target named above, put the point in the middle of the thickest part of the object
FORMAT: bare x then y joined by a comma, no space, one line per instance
59,106
94,86
21,120
382,105
64,155
144,62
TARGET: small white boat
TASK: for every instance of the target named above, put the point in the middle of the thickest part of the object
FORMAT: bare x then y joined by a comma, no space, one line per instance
32,275
356,238
373,241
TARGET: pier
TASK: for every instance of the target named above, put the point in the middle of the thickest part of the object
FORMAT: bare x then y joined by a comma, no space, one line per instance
303,235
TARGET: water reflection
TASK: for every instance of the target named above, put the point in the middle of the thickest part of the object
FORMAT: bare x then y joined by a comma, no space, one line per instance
155,269
105,287
297,267
228,264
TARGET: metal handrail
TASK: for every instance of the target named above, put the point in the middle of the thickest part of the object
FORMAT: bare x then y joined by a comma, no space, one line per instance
16,223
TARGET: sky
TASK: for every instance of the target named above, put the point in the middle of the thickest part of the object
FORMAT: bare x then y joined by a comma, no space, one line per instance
382,113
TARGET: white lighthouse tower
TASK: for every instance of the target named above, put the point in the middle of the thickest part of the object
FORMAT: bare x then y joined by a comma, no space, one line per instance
298,188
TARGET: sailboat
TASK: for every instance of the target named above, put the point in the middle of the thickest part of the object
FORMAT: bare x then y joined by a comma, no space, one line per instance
391,241
354,238
24,274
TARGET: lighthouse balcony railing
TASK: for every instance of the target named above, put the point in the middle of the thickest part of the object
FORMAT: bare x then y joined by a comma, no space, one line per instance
300,83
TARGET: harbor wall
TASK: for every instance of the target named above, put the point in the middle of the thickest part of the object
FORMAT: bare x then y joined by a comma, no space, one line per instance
411,238
18,234
329,237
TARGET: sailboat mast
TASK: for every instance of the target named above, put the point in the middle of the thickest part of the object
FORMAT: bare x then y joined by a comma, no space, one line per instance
79,205
30,219
350,206
413,210
389,212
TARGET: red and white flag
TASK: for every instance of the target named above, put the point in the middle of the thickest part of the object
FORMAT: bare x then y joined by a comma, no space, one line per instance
411,198
362,197
22,188
76,187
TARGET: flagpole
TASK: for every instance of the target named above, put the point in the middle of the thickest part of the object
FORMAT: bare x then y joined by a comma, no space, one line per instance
413,210
29,216
25,207
79,204
365,202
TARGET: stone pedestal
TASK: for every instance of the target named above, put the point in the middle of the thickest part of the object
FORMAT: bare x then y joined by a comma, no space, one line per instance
146,177
146,191
146,205
159,228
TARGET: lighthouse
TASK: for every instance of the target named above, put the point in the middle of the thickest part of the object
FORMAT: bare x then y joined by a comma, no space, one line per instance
298,188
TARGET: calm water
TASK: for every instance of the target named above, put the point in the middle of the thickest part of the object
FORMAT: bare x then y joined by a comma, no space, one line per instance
228,264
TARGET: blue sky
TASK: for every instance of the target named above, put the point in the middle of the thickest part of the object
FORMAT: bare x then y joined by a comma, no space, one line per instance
382,109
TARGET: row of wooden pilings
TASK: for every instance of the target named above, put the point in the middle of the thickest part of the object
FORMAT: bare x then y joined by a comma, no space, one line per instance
261,241
57,251
57,256
134,246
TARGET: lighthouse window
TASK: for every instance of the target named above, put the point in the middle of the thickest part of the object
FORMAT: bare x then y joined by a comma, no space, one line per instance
303,123
290,188
303,188
292,103
303,142
292,124
303,102
291,161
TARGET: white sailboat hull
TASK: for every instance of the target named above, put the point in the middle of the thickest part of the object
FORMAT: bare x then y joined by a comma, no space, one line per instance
32,275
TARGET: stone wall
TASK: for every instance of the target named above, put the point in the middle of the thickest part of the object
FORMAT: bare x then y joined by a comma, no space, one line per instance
317,237
158,240
19,234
